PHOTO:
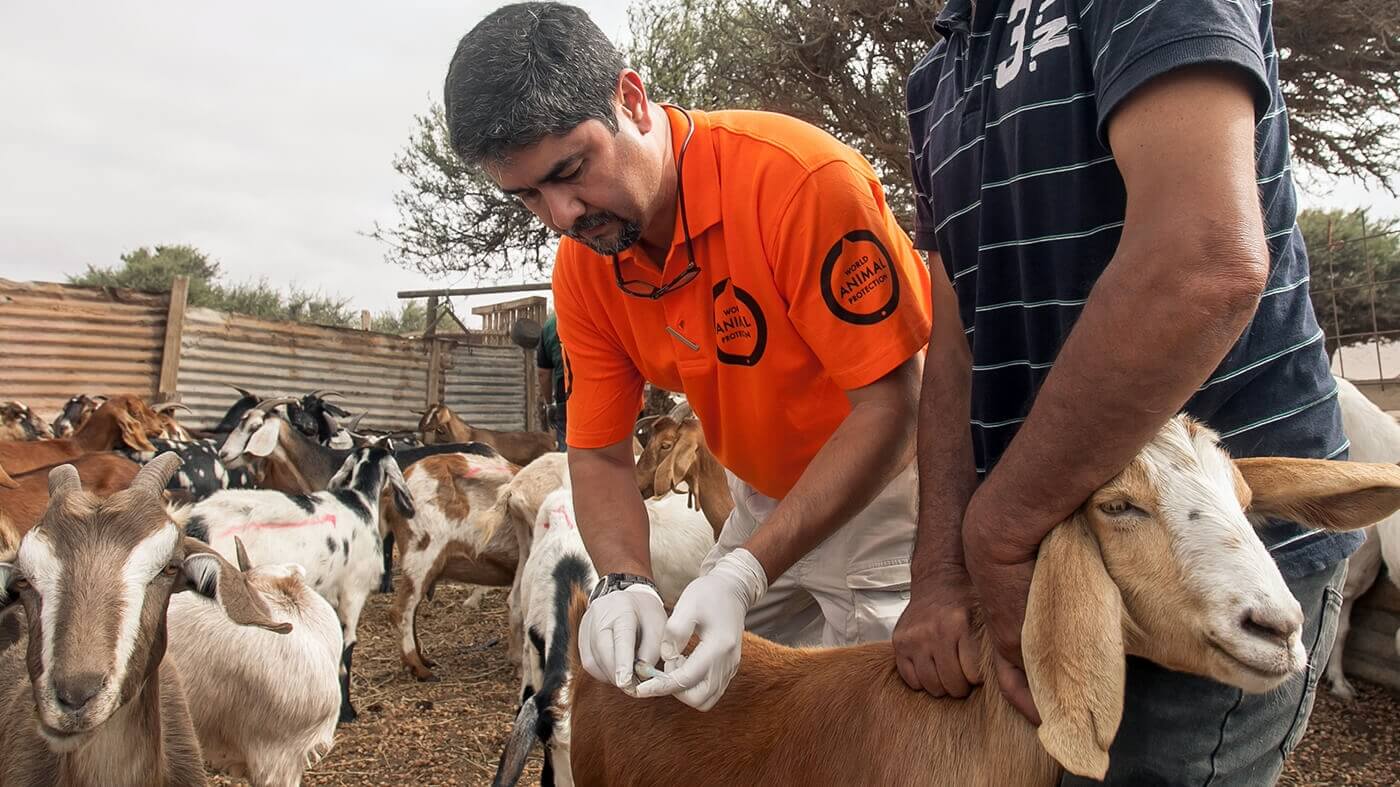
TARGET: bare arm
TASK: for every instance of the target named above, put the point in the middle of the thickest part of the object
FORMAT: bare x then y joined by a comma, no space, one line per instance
1180,289
545,379
935,647
947,473
876,437
611,516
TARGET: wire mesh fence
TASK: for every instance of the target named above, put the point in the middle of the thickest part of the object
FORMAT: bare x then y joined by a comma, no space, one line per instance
1356,293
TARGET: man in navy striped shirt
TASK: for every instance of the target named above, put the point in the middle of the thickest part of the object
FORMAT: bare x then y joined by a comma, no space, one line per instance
1106,185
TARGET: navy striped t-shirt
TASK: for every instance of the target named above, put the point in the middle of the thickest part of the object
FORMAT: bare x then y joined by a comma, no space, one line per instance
1019,193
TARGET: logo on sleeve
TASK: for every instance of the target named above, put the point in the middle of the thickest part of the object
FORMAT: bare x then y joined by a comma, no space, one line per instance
741,332
859,282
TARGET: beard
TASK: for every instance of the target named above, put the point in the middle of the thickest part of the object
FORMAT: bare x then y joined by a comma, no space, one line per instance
627,234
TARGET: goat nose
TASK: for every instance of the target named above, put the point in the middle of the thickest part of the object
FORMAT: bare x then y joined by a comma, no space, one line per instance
1273,622
76,691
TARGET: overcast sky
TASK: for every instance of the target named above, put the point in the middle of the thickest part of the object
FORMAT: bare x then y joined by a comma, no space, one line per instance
262,133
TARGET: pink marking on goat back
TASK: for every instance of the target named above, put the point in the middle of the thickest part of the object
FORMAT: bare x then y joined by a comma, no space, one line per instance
562,511
323,519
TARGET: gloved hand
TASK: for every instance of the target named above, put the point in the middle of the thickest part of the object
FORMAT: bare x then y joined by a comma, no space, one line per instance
607,637
713,606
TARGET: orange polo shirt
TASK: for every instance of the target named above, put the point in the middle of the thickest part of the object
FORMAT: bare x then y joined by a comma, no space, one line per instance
807,287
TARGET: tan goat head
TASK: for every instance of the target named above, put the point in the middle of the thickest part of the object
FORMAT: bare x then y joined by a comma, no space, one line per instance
1163,563
93,578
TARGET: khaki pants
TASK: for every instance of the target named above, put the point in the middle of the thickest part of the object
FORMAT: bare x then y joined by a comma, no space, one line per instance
851,588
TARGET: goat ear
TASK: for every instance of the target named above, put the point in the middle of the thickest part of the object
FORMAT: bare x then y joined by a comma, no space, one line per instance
264,441
6,481
209,575
403,499
10,628
133,433
675,466
1072,641
1321,493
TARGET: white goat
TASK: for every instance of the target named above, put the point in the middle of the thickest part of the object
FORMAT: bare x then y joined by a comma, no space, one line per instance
1161,563
265,706
1375,437
333,534
558,568
89,699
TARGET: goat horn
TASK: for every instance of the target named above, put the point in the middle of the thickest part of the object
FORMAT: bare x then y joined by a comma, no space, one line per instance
164,407
242,553
647,421
355,422
244,392
267,404
156,475
324,392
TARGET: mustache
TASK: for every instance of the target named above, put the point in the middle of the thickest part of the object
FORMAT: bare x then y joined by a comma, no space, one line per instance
593,221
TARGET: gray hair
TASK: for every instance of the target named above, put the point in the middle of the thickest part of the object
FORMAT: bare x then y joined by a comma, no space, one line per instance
525,72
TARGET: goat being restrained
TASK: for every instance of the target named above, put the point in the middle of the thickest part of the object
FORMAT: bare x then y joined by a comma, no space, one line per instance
1162,563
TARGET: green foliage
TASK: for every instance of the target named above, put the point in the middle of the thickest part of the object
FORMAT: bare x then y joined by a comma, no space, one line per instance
412,317
1352,255
155,271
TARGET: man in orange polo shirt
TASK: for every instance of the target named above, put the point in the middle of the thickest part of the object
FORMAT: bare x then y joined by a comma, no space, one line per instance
749,260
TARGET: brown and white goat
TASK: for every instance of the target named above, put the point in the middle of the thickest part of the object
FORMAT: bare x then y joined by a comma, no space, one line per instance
24,497
18,422
448,537
76,411
88,697
676,454
170,426
1162,563
441,425
121,420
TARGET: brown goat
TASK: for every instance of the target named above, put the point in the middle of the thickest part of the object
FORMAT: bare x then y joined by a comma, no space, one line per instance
121,420
1162,563
677,453
102,474
441,425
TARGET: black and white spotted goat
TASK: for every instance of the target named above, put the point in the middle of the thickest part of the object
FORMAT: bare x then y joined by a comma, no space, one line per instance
333,534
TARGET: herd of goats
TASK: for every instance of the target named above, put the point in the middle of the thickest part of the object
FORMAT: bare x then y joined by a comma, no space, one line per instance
311,508
284,519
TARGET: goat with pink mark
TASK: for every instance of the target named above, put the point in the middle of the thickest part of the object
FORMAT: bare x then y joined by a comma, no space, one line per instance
333,535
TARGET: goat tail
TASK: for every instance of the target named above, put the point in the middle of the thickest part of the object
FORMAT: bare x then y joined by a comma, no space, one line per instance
522,739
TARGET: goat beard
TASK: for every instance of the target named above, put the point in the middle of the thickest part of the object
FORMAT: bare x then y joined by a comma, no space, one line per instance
628,233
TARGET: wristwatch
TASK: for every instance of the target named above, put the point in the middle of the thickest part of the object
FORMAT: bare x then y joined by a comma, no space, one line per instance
613,582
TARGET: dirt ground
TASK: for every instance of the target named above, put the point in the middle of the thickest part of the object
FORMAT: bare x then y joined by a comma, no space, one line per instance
450,733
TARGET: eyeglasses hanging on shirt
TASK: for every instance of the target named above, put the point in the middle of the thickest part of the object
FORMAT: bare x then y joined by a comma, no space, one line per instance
643,289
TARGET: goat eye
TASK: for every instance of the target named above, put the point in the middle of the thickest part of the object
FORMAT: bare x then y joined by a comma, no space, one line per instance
20,583
1121,508
170,571
666,446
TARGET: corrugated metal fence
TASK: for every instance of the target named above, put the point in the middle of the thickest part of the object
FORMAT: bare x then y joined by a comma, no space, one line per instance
58,340
385,376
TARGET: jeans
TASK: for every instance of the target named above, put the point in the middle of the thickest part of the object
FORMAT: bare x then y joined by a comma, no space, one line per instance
1182,729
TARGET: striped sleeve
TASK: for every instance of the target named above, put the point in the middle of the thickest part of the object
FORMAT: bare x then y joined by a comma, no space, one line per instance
1133,41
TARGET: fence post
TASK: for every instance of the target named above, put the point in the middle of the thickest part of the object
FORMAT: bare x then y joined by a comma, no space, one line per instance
532,395
366,321
435,353
168,388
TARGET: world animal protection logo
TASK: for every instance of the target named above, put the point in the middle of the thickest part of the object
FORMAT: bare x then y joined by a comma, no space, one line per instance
859,282
741,332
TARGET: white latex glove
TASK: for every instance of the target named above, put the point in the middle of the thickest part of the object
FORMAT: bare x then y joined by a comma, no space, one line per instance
714,607
608,634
